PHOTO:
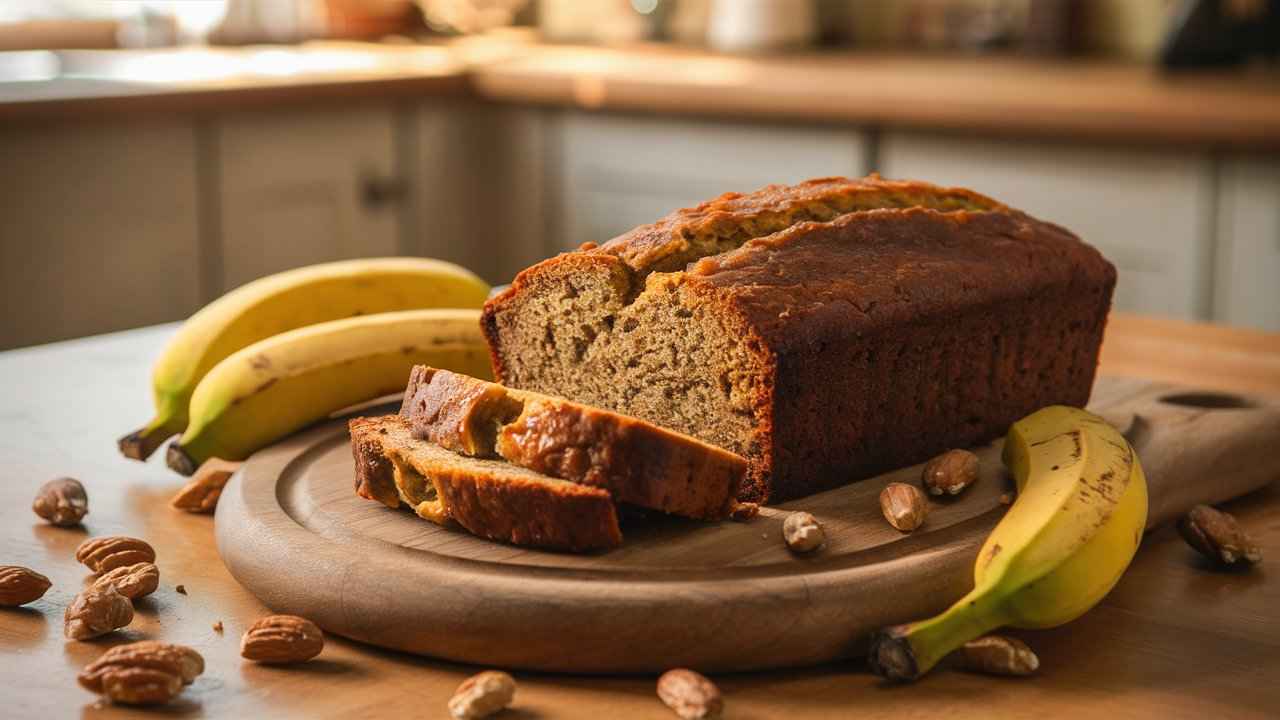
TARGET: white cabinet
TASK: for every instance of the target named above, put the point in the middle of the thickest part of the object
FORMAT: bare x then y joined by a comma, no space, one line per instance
478,175
99,229
305,186
1247,291
621,171
1149,211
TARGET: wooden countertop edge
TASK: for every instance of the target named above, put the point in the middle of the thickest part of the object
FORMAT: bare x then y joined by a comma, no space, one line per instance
230,99
1092,100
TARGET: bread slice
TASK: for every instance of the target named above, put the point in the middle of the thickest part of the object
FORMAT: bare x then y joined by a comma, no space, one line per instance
637,462
490,498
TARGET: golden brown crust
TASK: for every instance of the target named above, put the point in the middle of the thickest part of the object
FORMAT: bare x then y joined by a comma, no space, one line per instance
489,498
924,318
636,461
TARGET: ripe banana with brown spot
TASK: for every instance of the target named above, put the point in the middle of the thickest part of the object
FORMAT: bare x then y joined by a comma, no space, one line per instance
1077,522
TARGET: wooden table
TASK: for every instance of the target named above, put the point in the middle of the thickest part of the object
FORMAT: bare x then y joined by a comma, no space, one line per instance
1175,639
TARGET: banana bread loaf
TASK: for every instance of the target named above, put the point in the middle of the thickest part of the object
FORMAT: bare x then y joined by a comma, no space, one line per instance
826,331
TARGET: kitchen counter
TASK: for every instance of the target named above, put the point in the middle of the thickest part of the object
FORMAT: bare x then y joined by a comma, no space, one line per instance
1175,638
1087,98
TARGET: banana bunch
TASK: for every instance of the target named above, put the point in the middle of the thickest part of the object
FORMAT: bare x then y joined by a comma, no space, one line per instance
274,387
286,301
1061,547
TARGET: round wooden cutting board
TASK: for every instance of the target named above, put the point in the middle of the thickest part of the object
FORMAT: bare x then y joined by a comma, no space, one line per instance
717,597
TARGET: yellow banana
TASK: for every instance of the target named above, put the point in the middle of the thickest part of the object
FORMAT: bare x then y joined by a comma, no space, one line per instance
1061,547
286,301
276,386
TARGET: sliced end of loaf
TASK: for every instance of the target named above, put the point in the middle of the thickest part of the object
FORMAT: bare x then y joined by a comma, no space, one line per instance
636,461
489,498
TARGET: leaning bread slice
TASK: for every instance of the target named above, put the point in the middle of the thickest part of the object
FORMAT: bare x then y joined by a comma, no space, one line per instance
638,462
490,498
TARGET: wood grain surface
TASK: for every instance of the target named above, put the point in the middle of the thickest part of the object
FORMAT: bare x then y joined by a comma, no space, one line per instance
1176,639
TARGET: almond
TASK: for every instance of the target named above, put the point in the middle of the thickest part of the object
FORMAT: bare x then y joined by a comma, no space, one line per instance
1218,536
997,655
950,473
482,695
62,502
97,611
101,554
132,581
904,506
19,585
691,695
142,673
281,639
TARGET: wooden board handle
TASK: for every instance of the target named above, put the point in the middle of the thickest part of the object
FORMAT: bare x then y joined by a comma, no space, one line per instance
1202,447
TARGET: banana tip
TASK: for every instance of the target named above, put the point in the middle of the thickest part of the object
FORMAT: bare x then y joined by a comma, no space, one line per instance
891,656
179,461
139,444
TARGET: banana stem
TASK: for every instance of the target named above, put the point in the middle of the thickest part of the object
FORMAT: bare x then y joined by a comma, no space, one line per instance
906,652
140,444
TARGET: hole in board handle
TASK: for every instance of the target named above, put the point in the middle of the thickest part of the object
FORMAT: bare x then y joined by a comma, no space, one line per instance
1210,400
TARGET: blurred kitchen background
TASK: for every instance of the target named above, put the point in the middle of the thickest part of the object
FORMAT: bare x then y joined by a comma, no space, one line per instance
156,154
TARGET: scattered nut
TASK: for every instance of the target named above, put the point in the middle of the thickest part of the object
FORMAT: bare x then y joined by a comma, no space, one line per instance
950,473
281,639
691,695
1218,537
101,554
142,673
19,585
181,589
802,532
482,695
217,627
744,511
132,581
62,502
97,611
904,506
202,493
997,655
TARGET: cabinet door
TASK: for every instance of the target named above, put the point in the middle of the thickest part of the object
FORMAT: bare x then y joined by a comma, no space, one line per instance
478,174
622,171
99,230
1149,212
307,186
1247,291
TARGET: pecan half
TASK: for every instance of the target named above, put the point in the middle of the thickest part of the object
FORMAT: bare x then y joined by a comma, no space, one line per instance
691,695
101,554
62,502
19,585
132,581
281,639
1218,537
482,695
142,673
97,611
